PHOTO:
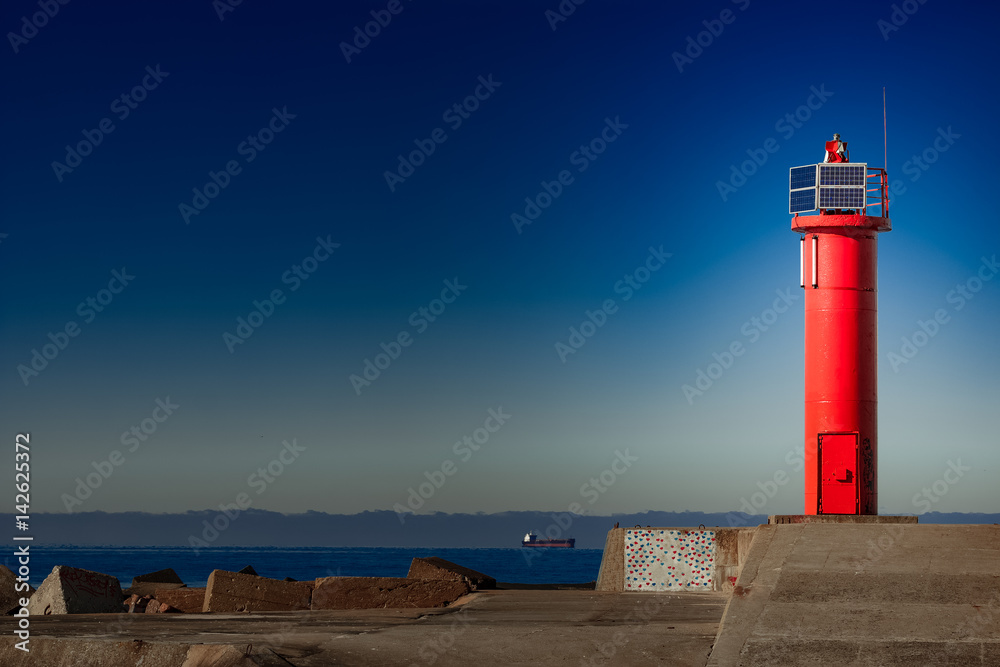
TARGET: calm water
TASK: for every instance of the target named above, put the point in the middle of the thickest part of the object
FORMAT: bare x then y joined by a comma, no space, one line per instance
531,566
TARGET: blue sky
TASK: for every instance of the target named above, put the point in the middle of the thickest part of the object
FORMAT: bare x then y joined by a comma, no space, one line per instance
533,91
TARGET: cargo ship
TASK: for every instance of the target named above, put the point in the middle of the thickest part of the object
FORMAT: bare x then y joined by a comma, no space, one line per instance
531,540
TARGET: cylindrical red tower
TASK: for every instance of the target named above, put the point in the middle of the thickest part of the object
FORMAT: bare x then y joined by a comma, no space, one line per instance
839,265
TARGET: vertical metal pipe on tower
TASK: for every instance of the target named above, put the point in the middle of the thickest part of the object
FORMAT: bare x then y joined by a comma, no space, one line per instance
839,273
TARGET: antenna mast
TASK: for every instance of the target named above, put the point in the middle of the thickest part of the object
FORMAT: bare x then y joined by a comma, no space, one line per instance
885,139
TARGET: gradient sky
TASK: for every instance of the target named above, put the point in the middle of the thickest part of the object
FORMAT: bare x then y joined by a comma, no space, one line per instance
323,176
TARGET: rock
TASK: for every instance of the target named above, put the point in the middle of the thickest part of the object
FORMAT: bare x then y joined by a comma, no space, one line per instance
70,590
439,568
136,604
150,588
10,597
232,591
289,579
147,584
157,607
187,600
248,570
380,592
167,576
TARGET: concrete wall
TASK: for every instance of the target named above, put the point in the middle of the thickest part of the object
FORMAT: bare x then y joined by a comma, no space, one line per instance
867,594
673,559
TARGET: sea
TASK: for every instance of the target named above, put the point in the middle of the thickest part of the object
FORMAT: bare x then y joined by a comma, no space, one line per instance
514,565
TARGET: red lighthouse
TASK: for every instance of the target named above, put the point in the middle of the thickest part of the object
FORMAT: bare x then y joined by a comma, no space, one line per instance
839,208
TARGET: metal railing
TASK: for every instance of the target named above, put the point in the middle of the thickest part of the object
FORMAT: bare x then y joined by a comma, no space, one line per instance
877,191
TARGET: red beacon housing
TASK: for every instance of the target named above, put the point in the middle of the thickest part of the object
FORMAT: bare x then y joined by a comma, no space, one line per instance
839,208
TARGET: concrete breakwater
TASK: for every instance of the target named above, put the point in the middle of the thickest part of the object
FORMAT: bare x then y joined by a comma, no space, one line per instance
431,582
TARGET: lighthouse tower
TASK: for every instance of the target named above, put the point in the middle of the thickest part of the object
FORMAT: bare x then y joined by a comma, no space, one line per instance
839,208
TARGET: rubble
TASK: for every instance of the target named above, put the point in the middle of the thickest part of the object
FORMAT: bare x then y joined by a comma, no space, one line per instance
70,590
382,592
232,591
439,568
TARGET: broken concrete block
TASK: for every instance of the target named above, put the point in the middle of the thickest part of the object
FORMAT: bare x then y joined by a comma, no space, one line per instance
157,607
167,576
146,584
232,591
70,590
187,600
160,579
392,592
248,570
439,568
10,597
150,588
136,604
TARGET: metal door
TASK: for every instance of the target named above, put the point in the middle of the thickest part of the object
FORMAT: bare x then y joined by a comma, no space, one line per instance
838,473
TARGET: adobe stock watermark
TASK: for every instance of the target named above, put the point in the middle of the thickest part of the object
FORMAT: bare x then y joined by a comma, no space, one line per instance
37,21
889,538
294,276
455,116
629,284
420,320
581,158
464,449
927,329
983,622
695,46
132,439
752,329
928,496
259,481
768,489
637,620
88,310
361,38
437,644
223,7
922,501
249,148
591,491
122,107
563,11
899,15
920,163
786,125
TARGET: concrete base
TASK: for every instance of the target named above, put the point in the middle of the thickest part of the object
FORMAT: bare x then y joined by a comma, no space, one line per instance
775,519
865,594
731,548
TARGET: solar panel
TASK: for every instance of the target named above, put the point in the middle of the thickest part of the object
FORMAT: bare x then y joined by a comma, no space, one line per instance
802,177
827,186
842,174
800,201
842,197
802,189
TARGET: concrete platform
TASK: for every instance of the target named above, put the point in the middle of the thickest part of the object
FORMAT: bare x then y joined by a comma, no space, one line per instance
865,594
840,518
502,627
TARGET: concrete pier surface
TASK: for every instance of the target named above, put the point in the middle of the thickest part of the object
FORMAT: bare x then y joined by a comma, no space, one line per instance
802,593
501,627
865,594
